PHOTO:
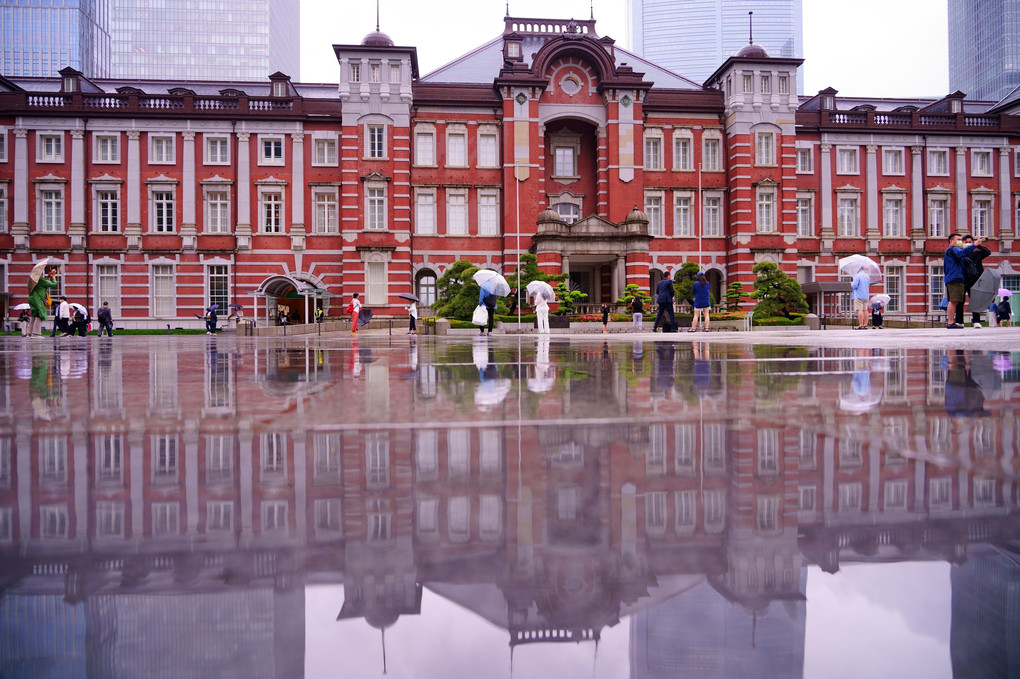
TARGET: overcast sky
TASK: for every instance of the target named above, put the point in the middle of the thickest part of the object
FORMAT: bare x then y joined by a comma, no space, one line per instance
881,48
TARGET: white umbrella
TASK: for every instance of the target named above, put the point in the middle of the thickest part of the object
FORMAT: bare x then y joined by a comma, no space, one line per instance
38,270
79,307
536,288
19,307
492,282
854,264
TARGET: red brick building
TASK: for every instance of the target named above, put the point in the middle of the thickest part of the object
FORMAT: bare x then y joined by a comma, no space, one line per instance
164,197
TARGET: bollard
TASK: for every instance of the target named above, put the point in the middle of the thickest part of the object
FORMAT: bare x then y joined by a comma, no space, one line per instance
168,329
812,322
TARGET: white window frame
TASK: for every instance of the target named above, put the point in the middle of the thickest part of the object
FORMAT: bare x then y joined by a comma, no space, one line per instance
106,148
425,146
937,287
162,149
765,210
456,146
565,150
355,71
765,83
1016,162
893,163
848,216
805,215
156,198
163,302
100,192
376,201
376,147
982,163
894,215
50,147
683,214
653,210
325,210
456,212
848,160
982,215
711,152
324,151
272,198
488,212
939,228
805,160
220,271
765,148
895,277
937,153
376,282
217,141
784,87
269,144
488,147
712,205
3,145
50,221
425,211
683,151
3,206
210,224
653,150
108,285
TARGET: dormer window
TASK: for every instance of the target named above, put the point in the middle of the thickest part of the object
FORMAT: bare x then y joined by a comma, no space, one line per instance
513,49
279,89
70,84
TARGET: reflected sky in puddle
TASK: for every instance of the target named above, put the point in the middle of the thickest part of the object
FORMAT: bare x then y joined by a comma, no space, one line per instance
580,507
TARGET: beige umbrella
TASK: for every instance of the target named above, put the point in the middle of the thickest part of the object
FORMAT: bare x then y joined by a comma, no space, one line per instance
37,272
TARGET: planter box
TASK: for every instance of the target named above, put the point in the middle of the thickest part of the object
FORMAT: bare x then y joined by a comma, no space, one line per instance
559,322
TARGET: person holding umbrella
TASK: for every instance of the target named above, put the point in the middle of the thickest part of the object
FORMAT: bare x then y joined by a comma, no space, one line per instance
412,316
40,281
859,294
211,318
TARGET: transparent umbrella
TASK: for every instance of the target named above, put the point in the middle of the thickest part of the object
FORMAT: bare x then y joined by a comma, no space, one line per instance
854,264
492,282
541,288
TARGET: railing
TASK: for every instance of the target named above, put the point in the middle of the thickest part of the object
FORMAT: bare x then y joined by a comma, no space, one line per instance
183,103
905,120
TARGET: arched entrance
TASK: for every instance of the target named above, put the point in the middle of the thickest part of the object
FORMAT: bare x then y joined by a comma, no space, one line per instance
296,295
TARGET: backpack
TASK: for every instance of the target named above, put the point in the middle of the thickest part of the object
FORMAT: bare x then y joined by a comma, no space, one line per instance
350,308
970,272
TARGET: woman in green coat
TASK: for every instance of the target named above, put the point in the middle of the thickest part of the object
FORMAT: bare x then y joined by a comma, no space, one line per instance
37,291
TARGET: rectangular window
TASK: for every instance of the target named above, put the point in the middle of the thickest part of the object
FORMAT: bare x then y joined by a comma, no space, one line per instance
981,218
376,141
686,509
375,217
219,285
847,217
653,208
767,518
456,213
564,161
488,214
107,211
374,73
981,163
324,152
784,87
217,150
892,217
937,288
653,153
162,211
51,148
682,159
894,288
425,148
355,73
766,84
164,292
765,148
107,148
712,225
805,161
938,215
748,85
394,73
938,162
766,212
325,212
272,212
846,161
892,161
217,212
682,216
712,155
487,150
52,206
425,212
161,150
108,286
376,292
3,146
456,149
271,150
805,218
3,207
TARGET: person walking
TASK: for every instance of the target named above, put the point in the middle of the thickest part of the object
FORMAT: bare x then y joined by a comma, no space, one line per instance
488,300
664,295
412,317
952,266
105,318
210,320
859,294
542,313
605,319
354,308
64,317
702,300
637,308
38,293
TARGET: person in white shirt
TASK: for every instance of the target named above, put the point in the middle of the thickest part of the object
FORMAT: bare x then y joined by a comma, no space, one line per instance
542,313
412,314
355,312
64,317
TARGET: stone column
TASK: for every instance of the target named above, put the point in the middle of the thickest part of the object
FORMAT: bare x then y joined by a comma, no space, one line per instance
872,230
297,193
825,171
20,228
76,228
133,225
1006,226
242,230
917,205
962,200
188,224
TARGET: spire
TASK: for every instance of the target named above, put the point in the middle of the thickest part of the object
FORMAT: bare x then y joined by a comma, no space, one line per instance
507,10
591,4
376,16
383,630
750,27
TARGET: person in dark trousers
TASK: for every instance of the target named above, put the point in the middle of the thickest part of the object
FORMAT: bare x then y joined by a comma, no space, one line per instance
319,315
105,318
637,308
489,301
876,315
605,319
664,294
952,266
79,322
972,270
210,321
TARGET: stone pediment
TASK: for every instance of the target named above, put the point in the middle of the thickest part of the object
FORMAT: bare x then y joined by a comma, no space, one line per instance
593,225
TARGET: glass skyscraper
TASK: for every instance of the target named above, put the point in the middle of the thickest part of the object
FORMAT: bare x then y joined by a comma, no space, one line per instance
693,37
39,39
984,47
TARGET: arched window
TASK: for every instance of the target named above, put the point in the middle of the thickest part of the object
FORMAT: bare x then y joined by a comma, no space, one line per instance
569,212
427,288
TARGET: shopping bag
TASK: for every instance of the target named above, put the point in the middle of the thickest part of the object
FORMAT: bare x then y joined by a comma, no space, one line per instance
480,316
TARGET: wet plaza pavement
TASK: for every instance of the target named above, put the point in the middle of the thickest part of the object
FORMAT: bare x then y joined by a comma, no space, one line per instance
817,504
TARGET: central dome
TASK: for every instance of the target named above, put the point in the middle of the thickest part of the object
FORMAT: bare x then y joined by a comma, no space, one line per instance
753,51
377,39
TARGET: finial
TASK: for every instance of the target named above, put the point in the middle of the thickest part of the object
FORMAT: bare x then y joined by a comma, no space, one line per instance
508,8
376,16
750,28
592,5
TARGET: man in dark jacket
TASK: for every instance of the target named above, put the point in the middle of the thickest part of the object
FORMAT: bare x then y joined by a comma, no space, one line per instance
105,318
664,295
952,266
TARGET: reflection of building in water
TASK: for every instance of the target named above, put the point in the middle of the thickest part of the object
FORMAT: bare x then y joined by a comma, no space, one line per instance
986,597
190,480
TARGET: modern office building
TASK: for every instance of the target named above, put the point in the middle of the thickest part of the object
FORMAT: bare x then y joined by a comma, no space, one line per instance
39,40
208,40
692,37
984,47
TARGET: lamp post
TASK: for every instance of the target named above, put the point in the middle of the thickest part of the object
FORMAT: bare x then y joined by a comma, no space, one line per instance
701,220
517,200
